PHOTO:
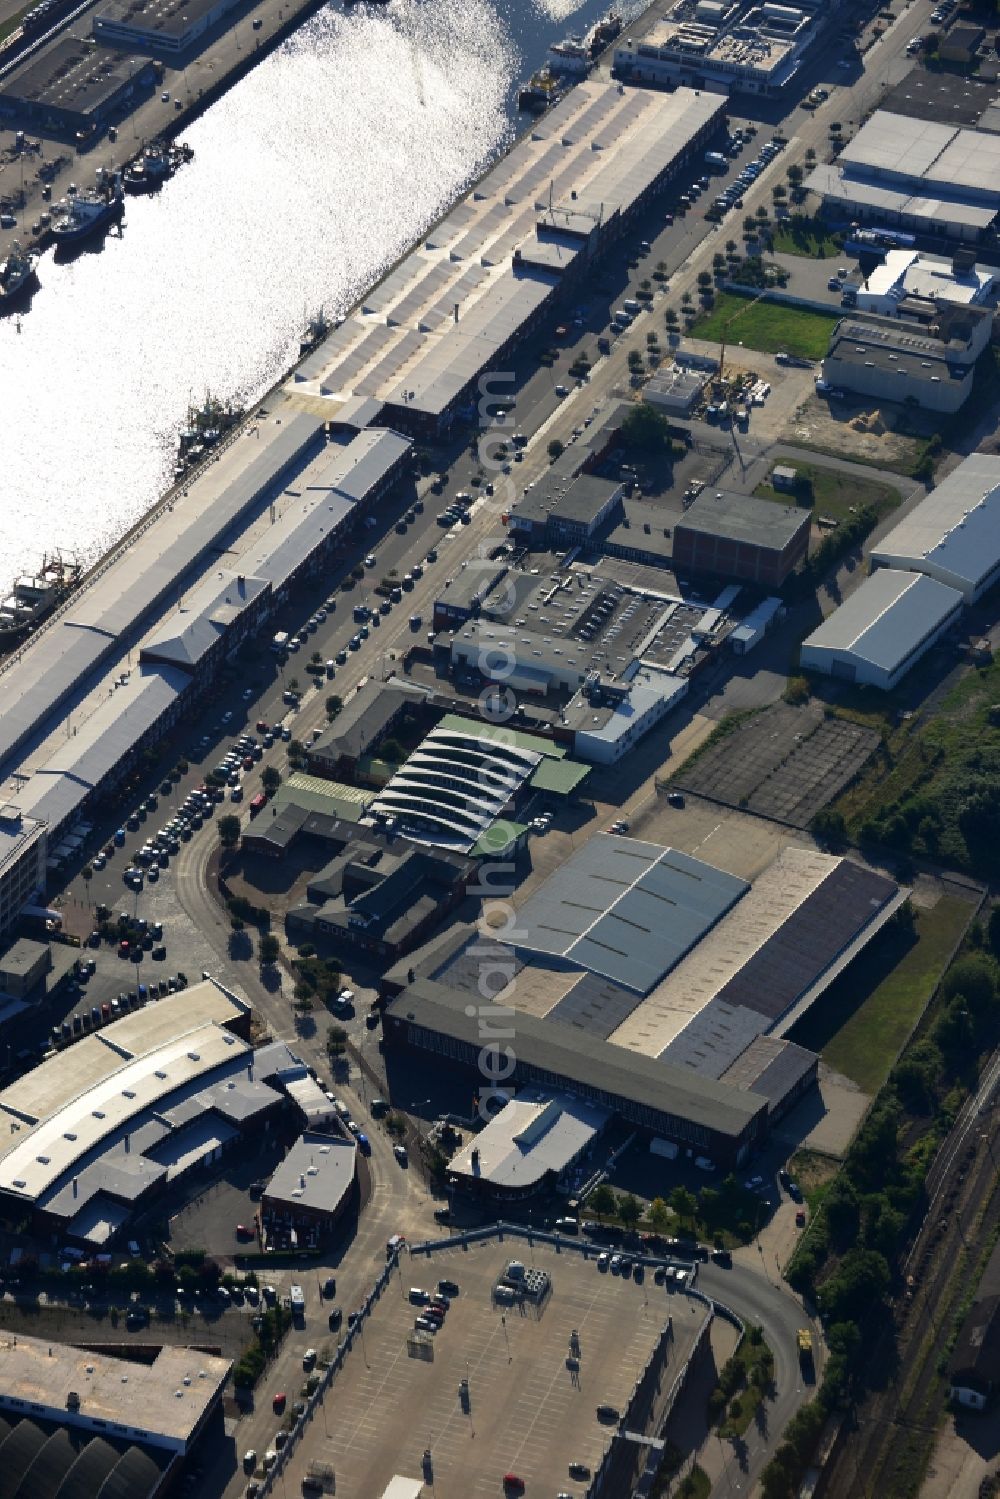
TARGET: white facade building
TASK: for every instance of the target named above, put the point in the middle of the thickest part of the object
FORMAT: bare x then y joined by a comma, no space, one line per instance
953,535
882,629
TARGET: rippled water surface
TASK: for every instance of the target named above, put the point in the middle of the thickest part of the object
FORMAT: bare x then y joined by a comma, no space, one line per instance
310,176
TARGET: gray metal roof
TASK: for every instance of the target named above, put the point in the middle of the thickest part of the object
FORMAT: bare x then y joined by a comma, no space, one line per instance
744,518
772,1067
119,596
626,909
317,1173
955,531
884,619
204,616
569,1056
929,152
363,718
531,1137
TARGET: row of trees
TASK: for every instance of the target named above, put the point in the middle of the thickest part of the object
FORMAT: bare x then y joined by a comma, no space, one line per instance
851,1260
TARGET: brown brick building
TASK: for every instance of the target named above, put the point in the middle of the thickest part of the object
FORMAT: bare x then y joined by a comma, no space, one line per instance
737,536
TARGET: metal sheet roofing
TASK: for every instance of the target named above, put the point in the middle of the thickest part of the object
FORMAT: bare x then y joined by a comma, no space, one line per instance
124,591
502,734
567,1055
883,620
560,777
531,1137
840,185
203,618
775,946
936,154
955,530
626,909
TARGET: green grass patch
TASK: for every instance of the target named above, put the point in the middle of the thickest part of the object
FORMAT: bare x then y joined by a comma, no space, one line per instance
767,326
802,235
8,27
814,1172
836,494
915,795
694,1485
866,1045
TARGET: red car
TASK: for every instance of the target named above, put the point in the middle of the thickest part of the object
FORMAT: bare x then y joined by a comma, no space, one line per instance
261,726
800,1218
278,1403
243,1232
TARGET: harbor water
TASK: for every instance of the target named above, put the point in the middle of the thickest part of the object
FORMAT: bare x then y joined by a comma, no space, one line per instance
310,176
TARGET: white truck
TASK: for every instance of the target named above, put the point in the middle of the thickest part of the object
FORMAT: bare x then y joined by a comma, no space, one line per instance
296,1299
280,643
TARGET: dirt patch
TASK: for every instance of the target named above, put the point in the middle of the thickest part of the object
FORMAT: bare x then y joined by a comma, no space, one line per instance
855,430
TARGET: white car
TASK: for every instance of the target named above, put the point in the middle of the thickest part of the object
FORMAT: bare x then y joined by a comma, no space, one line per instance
308,1358
296,1298
399,1151
561,390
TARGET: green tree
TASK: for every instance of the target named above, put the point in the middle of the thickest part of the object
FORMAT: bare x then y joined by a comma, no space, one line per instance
270,779
856,1287
629,1209
269,948
645,430
228,828
602,1201
659,1214
554,449
670,318
704,279
334,706
684,1203
293,684
993,931
316,658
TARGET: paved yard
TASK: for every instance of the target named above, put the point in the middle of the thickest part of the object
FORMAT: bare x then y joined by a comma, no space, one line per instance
527,1412
785,763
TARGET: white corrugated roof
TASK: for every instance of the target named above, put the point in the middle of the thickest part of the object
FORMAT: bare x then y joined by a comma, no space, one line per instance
956,529
883,619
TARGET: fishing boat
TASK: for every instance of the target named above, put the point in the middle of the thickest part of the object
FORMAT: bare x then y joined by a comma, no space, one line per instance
34,598
86,213
317,328
542,89
205,425
17,273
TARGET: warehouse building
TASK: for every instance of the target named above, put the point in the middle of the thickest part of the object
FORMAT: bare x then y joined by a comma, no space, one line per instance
737,536
210,624
456,785
532,1144
561,512
702,982
462,596
107,610
952,536
111,1121
114,1408
607,719
165,28
922,176
974,1366
489,271
930,361
882,629
707,1117
625,909
71,86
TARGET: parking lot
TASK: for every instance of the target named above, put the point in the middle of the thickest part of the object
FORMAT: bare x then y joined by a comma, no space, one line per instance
526,1413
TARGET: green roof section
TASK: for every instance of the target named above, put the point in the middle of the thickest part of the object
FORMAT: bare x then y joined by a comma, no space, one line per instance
502,734
561,777
497,839
315,794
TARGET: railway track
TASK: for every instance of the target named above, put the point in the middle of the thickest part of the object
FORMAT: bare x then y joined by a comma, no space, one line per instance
881,1457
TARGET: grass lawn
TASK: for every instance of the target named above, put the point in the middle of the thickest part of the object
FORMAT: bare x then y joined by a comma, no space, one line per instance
801,235
867,1044
834,494
8,27
911,795
768,326
814,1172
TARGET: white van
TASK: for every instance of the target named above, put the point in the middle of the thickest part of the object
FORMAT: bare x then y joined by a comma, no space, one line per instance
631,305
296,1298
